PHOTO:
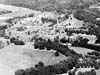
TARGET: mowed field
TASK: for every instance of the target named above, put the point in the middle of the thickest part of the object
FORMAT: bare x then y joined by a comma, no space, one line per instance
14,57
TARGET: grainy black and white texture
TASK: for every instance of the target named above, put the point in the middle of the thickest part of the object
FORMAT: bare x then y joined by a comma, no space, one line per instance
49,37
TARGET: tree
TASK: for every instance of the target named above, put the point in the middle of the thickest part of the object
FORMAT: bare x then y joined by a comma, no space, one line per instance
80,73
36,66
77,66
69,73
20,29
19,42
9,21
12,39
31,15
85,40
56,54
36,46
20,72
99,63
96,67
97,41
41,64
56,39
93,72
63,40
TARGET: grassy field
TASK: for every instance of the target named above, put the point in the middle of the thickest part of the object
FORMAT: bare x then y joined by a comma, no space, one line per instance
14,57
81,50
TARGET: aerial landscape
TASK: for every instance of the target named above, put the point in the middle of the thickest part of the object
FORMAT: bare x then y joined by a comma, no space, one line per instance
49,37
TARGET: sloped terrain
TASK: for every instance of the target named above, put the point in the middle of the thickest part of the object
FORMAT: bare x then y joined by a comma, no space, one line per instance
14,57
80,50
39,4
33,3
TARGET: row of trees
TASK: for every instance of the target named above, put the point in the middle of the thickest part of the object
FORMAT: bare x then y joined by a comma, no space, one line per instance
91,64
89,46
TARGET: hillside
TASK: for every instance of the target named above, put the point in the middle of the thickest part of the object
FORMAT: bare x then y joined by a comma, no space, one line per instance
14,57
51,4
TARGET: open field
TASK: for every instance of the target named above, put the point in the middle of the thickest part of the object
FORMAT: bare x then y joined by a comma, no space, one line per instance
14,57
81,50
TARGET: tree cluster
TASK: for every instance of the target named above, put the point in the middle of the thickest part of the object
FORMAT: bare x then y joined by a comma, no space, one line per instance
16,41
48,44
85,44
